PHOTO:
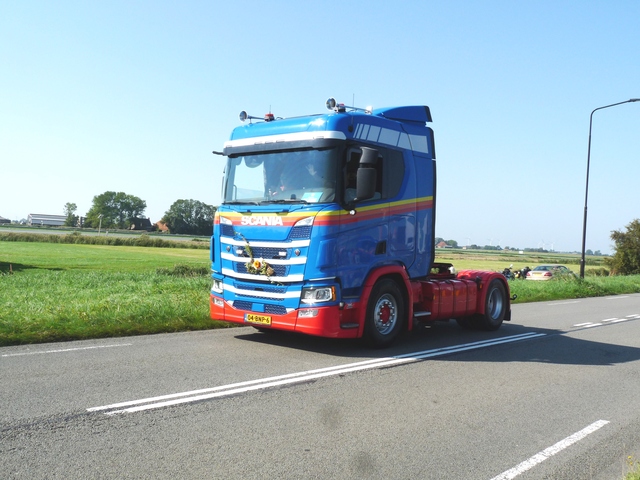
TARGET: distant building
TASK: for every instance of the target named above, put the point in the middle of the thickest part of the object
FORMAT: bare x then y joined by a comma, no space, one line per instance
161,226
38,219
4,220
141,224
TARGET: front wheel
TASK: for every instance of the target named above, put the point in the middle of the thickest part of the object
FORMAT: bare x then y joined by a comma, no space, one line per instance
495,307
385,314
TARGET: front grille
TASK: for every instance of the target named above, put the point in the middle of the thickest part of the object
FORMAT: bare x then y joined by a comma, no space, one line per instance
270,309
279,270
300,233
227,230
265,252
242,305
265,288
275,309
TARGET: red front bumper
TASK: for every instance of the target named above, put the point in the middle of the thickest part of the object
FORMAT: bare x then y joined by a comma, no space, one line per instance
332,322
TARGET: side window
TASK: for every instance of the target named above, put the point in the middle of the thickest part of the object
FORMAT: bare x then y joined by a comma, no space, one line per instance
350,173
393,165
389,173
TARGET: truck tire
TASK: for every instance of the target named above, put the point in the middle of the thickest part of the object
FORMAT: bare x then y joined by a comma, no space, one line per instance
495,307
385,314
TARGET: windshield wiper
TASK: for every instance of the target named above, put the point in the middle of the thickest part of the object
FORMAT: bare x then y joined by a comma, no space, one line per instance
287,200
237,202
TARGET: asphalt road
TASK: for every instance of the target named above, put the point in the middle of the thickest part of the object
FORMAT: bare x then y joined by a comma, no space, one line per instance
555,394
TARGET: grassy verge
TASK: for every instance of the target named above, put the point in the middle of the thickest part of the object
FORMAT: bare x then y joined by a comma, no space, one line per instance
634,469
560,289
51,291
66,291
46,306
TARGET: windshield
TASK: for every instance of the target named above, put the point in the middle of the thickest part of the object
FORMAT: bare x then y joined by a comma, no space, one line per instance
305,176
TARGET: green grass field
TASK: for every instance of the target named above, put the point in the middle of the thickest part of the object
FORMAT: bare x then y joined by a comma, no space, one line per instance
101,258
56,291
67,291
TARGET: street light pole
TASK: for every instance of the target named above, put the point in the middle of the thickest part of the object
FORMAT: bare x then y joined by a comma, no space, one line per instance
586,191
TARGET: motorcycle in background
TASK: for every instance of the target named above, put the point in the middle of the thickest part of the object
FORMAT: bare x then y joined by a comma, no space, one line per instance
508,273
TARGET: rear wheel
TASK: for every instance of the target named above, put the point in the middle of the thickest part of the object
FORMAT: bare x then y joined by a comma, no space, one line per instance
495,308
385,314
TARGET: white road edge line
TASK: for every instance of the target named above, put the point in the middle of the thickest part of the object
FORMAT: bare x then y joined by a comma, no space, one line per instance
549,452
66,350
298,377
607,320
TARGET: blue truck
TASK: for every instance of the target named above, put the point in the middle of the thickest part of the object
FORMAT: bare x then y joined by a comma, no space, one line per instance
326,228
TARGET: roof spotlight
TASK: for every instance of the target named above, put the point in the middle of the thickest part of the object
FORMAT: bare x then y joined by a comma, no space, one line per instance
331,103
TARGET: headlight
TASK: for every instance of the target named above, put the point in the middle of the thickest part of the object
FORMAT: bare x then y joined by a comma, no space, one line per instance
318,294
217,286
305,222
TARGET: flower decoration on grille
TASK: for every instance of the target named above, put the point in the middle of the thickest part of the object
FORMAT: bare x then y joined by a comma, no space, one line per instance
256,266
260,267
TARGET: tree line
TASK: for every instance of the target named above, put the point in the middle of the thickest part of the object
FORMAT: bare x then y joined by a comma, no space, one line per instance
124,211
192,217
626,257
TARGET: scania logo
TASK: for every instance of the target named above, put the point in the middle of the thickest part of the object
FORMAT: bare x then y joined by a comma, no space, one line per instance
261,220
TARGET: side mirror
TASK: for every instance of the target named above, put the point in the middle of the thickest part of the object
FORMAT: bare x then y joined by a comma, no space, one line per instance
366,186
367,175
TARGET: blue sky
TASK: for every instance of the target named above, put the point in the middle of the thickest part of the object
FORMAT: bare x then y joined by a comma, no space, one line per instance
133,96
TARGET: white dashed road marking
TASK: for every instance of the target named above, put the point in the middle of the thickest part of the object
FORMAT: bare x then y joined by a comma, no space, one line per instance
549,452
42,352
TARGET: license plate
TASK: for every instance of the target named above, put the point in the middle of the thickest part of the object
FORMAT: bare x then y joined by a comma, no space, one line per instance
258,319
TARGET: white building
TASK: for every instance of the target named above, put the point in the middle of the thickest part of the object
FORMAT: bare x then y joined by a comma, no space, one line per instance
37,219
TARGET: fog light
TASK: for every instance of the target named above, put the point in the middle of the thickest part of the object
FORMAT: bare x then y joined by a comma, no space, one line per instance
308,313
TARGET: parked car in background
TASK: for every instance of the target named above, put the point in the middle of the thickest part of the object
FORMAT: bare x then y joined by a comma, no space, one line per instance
547,272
